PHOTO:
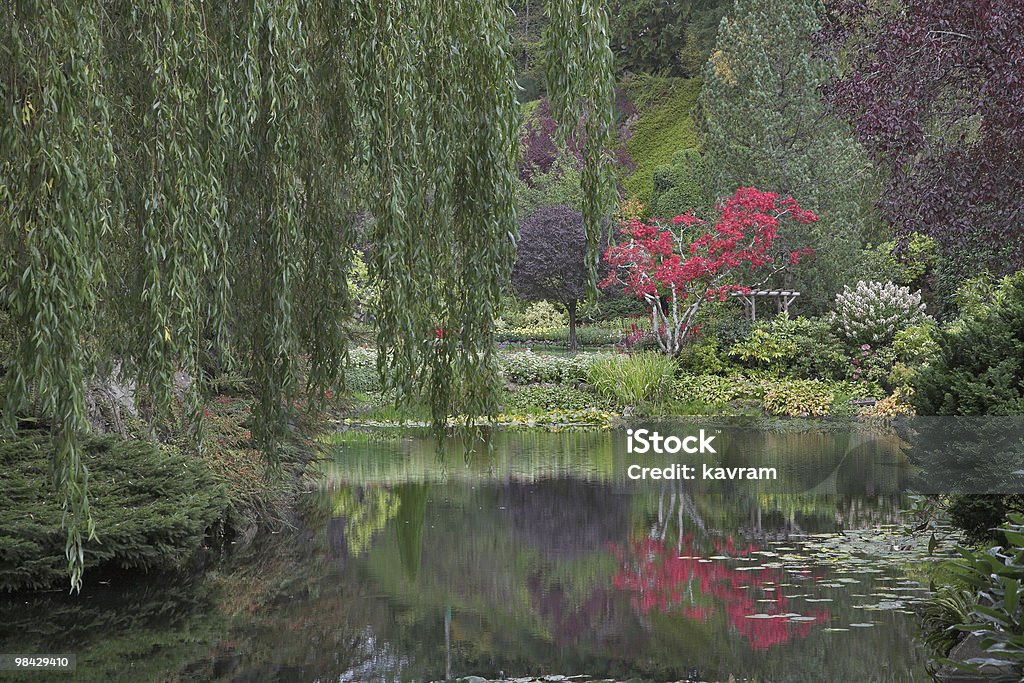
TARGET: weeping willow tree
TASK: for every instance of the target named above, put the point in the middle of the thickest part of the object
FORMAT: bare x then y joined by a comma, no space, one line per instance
182,180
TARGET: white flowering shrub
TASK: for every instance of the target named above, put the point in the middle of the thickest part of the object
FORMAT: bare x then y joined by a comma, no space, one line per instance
526,367
873,312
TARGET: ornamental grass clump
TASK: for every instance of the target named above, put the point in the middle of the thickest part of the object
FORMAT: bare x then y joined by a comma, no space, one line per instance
873,312
633,380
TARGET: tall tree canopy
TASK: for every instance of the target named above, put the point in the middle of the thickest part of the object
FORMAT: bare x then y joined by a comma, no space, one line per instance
181,178
935,90
672,37
763,123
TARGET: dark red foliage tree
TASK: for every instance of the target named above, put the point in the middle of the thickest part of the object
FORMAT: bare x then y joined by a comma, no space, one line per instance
550,260
540,143
935,91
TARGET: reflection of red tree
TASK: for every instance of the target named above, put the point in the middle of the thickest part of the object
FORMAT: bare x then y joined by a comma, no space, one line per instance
668,579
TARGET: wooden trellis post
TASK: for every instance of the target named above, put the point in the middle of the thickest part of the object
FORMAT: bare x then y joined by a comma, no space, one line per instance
783,299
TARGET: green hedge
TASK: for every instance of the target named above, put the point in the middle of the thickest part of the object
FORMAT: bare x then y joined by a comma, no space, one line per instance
361,371
152,508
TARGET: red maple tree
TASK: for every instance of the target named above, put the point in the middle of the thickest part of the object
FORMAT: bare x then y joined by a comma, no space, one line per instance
678,265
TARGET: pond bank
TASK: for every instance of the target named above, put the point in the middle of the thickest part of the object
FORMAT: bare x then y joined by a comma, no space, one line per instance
168,507
157,507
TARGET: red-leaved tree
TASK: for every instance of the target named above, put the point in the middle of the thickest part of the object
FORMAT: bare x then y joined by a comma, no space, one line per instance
678,265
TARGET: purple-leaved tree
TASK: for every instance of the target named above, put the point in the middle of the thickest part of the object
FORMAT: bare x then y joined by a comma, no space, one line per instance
935,91
550,260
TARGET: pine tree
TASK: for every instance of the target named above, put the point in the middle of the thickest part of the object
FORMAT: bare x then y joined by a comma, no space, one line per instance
763,124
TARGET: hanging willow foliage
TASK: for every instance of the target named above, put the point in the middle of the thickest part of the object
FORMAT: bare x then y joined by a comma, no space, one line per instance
439,159
56,159
581,83
182,184
172,226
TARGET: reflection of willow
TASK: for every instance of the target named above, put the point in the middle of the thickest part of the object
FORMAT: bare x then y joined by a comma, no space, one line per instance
842,511
411,513
680,502
759,531
366,510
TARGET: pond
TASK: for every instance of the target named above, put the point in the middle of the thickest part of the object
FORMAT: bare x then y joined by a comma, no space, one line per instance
414,563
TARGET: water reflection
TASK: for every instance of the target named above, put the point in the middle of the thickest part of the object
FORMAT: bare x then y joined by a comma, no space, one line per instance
536,558
541,557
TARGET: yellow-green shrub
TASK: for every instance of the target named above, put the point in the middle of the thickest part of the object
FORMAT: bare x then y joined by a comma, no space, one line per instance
714,390
798,398
895,405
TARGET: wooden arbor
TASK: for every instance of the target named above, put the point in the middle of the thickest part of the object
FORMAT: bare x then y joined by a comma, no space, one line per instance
783,298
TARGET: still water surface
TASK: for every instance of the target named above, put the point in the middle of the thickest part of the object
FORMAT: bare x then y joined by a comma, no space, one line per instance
540,556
